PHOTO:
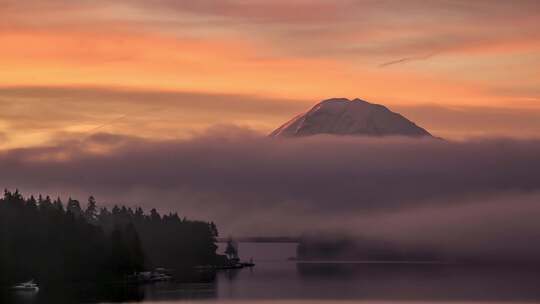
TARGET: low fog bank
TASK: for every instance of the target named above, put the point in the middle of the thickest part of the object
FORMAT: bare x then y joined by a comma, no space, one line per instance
489,229
475,197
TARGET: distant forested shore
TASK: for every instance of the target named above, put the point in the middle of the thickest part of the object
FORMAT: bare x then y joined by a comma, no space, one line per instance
52,241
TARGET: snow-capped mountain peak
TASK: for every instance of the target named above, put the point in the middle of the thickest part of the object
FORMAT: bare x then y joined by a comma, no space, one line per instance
341,116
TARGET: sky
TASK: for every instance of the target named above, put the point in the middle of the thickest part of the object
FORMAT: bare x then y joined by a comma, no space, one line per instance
166,104
169,69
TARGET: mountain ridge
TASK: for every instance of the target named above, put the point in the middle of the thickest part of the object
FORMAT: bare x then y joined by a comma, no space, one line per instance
341,116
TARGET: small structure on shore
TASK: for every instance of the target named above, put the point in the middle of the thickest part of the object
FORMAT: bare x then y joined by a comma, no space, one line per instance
232,251
231,259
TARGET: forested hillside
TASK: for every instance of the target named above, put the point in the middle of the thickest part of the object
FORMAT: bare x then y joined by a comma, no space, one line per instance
48,240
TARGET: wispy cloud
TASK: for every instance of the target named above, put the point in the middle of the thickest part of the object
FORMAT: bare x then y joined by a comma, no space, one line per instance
37,114
407,59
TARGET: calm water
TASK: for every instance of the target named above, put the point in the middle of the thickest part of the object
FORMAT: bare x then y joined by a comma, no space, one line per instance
277,278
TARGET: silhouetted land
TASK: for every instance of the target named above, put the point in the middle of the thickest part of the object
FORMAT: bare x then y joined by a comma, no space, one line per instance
55,242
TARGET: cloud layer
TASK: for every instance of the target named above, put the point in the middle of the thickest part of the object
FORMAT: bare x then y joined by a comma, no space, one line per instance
317,48
34,116
77,68
312,169
230,169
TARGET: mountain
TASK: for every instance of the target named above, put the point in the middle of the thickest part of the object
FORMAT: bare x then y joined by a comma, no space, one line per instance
340,116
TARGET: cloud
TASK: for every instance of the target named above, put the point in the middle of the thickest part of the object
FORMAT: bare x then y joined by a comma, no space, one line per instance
320,28
40,114
248,183
191,100
406,59
465,198
458,122
35,115
320,48
334,175
495,227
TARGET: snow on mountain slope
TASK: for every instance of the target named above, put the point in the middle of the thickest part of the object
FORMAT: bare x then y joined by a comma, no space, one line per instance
340,116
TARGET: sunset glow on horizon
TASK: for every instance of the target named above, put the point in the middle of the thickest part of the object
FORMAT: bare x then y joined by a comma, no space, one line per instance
199,63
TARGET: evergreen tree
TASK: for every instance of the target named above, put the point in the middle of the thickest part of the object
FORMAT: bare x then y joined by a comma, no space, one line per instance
91,212
41,240
74,207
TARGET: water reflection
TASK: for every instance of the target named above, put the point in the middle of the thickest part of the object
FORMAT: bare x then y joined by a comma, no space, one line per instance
432,282
114,293
25,296
275,277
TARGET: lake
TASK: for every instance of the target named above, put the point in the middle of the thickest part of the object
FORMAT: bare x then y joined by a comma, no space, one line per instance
276,278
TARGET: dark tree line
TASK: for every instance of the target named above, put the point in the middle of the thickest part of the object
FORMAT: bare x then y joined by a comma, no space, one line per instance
51,241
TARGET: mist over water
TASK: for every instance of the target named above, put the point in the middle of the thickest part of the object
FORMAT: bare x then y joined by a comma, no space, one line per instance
278,279
472,199
478,197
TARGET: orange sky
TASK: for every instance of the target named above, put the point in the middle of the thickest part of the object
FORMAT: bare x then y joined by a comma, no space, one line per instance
164,69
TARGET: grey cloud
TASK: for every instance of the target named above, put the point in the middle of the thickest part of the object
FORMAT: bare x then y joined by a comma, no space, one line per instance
495,226
335,176
464,198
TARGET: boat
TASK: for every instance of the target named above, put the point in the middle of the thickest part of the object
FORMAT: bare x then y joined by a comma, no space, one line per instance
26,286
161,275
247,264
158,275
